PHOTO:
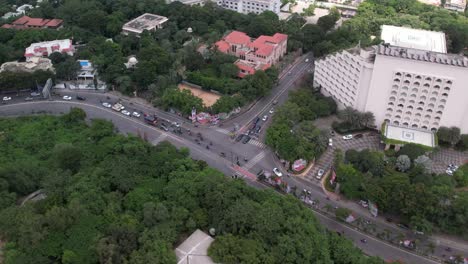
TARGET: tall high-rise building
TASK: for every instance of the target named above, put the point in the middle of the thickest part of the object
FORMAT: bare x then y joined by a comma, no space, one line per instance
409,81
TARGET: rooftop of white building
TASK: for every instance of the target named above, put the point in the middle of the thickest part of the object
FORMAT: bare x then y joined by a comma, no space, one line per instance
414,38
146,21
410,135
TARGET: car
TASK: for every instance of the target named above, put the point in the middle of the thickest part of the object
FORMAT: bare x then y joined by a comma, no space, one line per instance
388,219
320,174
136,114
275,102
239,137
6,98
265,117
330,142
125,112
106,105
403,226
358,136
28,99
164,127
67,97
307,60
246,139
348,137
257,130
449,172
421,233
271,111
363,203
81,98
277,172
34,94
256,120
175,124
364,240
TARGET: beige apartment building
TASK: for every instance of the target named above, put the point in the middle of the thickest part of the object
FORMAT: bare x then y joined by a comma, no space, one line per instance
409,81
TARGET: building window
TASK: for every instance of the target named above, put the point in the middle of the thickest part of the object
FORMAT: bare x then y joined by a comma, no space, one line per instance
414,126
447,88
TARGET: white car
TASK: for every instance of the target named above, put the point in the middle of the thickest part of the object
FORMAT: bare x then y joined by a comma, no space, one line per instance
6,98
449,172
106,105
277,172
348,137
265,117
67,97
307,60
136,114
125,112
271,111
320,174
330,142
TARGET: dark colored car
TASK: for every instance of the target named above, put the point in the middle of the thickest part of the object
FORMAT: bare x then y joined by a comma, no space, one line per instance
239,137
246,139
358,136
81,98
257,130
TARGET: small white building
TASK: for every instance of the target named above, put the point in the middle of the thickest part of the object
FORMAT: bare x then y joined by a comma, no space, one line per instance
251,6
455,5
44,49
87,72
194,250
189,2
144,22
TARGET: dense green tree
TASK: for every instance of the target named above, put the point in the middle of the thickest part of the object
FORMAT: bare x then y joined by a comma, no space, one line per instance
350,181
403,163
412,151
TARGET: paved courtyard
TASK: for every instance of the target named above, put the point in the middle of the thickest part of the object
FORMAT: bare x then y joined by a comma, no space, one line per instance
443,157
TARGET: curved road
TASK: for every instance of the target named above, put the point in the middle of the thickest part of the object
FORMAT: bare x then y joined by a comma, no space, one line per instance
135,126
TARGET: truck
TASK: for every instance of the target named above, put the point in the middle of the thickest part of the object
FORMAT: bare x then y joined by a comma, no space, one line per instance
151,119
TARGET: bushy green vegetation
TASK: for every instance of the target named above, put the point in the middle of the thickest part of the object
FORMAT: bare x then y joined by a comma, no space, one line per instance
427,202
117,199
292,134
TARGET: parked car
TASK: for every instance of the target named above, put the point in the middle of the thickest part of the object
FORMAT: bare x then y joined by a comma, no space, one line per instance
306,60
403,226
348,137
363,203
34,94
125,112
246,139
118,107
277,172
275,102
136,114
81,98
28,99
106,105
257,130
358,136
164,127
320,174
67,97
330,142
271,111
239,137
265,117
256,120
6,98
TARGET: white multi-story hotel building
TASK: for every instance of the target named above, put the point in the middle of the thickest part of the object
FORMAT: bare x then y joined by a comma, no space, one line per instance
408,81
251,6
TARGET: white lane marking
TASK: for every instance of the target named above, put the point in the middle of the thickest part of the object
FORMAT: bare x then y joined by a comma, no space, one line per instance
222,131
257,143
255,160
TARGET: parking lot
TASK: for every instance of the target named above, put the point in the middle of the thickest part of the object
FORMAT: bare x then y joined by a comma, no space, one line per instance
369,140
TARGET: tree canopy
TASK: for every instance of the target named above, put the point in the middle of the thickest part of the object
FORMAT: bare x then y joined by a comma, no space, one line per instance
116,199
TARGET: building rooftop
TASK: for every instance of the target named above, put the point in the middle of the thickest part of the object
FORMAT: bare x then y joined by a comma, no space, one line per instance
421,55
144,22
410,135
63,45
194,250
414,38
26,22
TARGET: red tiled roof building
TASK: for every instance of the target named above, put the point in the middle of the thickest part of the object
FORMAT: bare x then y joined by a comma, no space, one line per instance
257,54
26,22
